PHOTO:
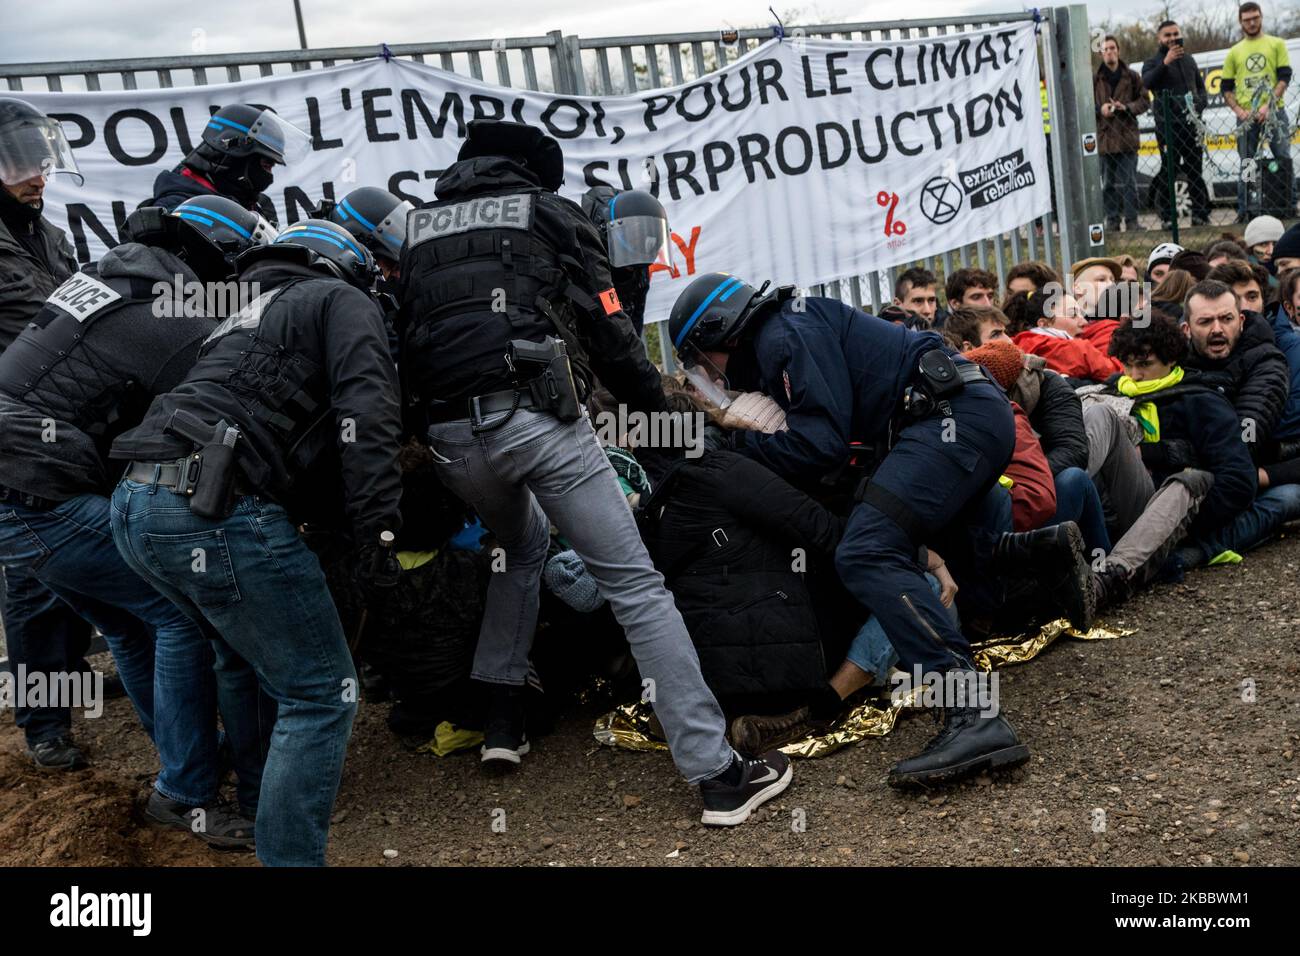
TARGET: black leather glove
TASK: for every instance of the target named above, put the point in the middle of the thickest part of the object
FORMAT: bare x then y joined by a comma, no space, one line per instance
377,570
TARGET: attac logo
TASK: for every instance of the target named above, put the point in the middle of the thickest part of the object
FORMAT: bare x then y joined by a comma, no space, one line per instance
82,296
484,212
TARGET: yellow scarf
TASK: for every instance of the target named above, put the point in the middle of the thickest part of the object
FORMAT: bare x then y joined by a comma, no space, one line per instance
1145,412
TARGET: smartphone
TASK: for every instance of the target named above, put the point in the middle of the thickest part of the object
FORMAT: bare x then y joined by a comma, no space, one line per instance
1178,41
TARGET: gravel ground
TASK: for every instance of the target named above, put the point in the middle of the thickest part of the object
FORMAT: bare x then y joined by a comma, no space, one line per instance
1146,750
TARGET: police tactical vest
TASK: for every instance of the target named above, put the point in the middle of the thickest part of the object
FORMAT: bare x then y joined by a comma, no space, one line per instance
274,385
52,368
478,269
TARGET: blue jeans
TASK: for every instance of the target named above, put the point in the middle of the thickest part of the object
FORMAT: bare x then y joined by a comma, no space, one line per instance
70,549
871,650
1119,187
45,636
263,593
1279,144
533,468
944,486
1272,508
1077,500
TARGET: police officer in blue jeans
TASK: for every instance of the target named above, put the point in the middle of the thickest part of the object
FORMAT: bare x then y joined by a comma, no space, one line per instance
289,416
844,376
498,273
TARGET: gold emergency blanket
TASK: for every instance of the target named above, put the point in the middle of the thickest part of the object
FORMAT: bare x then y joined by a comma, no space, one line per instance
628,726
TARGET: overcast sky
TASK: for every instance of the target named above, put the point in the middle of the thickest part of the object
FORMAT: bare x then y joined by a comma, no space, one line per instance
110,29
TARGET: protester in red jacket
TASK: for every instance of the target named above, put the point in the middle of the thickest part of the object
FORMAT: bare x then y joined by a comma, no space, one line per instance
1048,324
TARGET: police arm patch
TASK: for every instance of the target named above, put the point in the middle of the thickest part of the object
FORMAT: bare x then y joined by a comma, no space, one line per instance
609,299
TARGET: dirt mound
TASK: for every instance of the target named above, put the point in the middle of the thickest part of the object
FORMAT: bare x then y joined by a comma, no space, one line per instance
90,818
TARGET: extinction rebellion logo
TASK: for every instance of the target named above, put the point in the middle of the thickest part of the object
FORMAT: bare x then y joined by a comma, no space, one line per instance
988,183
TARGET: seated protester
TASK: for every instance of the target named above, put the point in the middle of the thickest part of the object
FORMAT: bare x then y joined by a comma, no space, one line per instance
1116,303
916,291
1262,233
1089,278
1046,324
1031,276
970,288
1217,253
1170,407
420,640
1194,262
1172,290
1128,268
1235,353
1069,487
1052,406
761,636
1158,262
1286,251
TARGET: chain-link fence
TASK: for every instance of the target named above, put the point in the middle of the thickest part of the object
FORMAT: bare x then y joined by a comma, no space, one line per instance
1200,170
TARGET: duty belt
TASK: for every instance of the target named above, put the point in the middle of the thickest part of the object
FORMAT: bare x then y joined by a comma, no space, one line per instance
173,475
479,407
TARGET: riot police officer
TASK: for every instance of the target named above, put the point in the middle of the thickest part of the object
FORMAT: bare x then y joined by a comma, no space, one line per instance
294,393
634,227
42,634
236,157
845,377
499,277
107,341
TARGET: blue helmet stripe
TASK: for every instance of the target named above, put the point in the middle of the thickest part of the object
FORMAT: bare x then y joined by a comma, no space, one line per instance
346,206
732,282
219,121
187,214
727,295
322,234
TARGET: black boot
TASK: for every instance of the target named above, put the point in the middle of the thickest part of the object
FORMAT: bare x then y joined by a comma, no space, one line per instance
969,742
1053,556
1112,587
58,754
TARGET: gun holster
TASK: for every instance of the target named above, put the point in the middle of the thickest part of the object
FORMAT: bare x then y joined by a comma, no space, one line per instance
551,387
209,480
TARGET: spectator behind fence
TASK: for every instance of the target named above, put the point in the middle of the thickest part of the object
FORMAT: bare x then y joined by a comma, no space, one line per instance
1255,76
1171,75
916,291
1030,276
1120,97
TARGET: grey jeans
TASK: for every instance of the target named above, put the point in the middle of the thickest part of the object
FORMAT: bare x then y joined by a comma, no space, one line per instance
1115,466
534,467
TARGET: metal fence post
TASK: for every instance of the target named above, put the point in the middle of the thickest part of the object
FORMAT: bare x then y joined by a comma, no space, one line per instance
561,63
1078,176
1169,163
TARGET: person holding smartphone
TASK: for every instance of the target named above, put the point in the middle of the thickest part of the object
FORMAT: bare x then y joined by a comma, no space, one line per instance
1170,74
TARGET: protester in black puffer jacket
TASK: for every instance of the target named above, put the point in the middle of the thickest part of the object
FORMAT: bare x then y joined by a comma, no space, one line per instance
1254,377
724,531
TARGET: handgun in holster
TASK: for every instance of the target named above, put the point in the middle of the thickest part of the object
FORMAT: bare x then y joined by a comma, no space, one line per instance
544,371
209,480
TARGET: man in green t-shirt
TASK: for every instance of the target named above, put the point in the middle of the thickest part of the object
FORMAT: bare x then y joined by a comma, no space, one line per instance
1255,75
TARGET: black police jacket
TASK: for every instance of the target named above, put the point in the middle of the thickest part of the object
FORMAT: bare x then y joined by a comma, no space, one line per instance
29,271
493,259
87,366
307,378
172,187
722,530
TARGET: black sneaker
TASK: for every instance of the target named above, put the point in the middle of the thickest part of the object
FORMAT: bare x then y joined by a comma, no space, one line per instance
504,738
218,825
968,743
761,779
58,754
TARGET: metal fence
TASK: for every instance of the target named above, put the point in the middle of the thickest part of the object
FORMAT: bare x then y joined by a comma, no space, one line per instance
565,63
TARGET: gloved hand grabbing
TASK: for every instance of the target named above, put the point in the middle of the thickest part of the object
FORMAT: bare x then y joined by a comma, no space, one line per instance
377,566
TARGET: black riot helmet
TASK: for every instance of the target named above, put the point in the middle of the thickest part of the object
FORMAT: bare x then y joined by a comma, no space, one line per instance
712,314
208,232
375,217
320,245
239,143
32,144
526,145
633,224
